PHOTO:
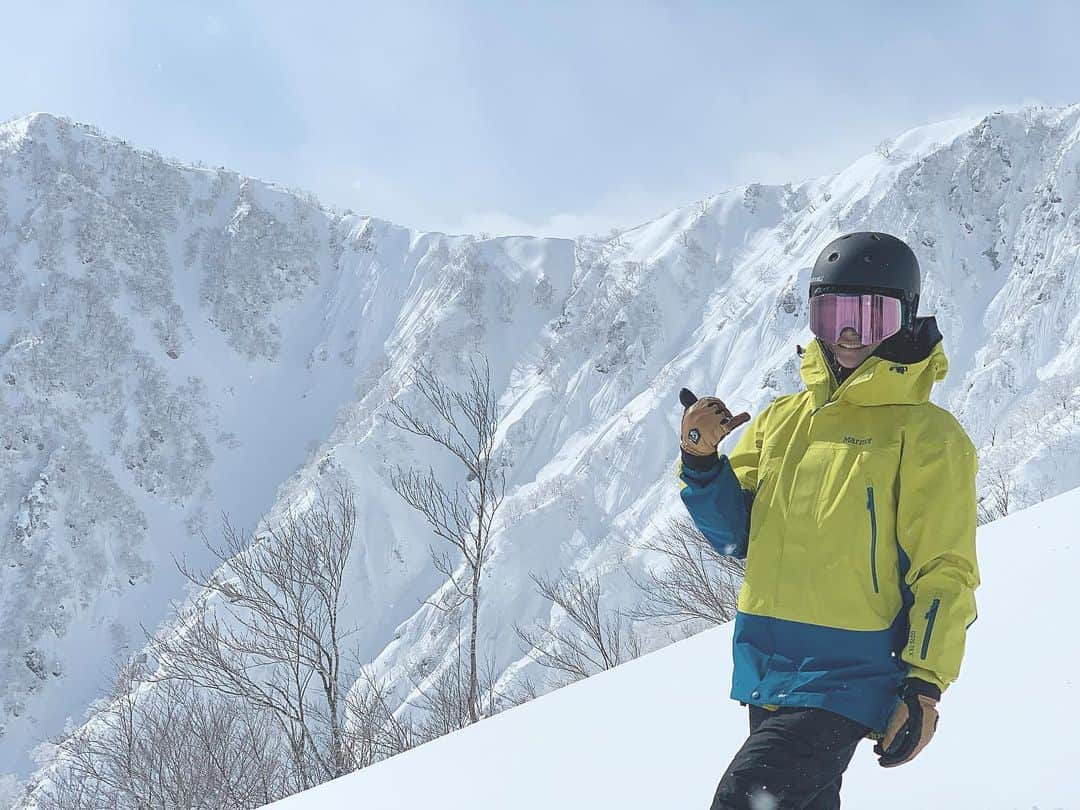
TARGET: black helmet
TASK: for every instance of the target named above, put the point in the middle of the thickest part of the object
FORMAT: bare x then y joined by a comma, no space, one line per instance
870,261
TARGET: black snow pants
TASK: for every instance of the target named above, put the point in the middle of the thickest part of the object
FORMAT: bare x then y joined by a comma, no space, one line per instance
792,760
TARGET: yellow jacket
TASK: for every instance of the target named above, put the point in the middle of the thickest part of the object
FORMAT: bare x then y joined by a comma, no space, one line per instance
855,508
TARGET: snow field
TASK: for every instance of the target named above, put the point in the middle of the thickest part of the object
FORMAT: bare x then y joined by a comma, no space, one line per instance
659,731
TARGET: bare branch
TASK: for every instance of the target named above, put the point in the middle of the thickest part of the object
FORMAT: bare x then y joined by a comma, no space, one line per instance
595,641
274,639
697,583
466,425
169,747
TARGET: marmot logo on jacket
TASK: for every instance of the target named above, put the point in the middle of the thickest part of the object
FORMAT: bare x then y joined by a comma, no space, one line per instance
860,442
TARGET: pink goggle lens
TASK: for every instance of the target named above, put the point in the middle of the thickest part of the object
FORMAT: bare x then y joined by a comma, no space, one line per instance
873,317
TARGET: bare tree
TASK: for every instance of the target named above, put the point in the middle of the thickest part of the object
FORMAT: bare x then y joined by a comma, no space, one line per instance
373,731
465,424
595,641
1061,390
444,701
1001,485
614,238
996,500
167,747
697,583
248,702
522,692
274,638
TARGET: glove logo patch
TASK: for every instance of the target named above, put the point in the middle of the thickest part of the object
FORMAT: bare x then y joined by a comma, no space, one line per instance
694,435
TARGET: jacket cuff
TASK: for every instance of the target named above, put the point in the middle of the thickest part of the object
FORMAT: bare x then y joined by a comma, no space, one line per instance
928,676
700,463
917,686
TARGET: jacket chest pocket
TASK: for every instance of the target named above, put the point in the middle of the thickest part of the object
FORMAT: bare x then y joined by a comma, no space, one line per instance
845,495
841,531
832,476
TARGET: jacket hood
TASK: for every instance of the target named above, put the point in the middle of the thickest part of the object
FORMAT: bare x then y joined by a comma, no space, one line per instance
901,372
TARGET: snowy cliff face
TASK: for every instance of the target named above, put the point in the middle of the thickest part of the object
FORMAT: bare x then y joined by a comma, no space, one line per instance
178,342
174,343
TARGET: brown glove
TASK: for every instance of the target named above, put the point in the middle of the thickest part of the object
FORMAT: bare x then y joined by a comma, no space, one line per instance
705,423
912,724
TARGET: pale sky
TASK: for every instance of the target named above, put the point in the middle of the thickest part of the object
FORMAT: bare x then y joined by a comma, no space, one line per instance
551,118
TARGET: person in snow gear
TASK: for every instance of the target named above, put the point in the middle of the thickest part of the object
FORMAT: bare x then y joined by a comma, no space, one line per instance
853,504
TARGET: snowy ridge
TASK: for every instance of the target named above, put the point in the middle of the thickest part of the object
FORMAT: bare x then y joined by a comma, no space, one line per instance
659,731
293,326
175,342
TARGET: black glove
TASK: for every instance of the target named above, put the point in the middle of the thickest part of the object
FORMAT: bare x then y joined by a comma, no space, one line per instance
912,724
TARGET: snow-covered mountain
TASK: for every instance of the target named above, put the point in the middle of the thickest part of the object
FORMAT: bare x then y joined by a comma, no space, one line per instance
177,342
659,731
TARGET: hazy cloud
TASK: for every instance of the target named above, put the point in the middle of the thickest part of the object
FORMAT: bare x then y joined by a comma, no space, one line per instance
542,118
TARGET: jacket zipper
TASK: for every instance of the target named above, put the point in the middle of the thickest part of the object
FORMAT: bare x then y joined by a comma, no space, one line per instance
931,616
873,536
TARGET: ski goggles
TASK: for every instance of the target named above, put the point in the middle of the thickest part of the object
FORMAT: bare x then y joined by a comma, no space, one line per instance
873,317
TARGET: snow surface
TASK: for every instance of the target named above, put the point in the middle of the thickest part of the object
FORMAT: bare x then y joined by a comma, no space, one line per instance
296,324
659,731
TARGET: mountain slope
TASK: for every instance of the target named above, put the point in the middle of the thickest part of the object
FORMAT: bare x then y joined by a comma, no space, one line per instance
174,343
659,731
712,297
292,326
